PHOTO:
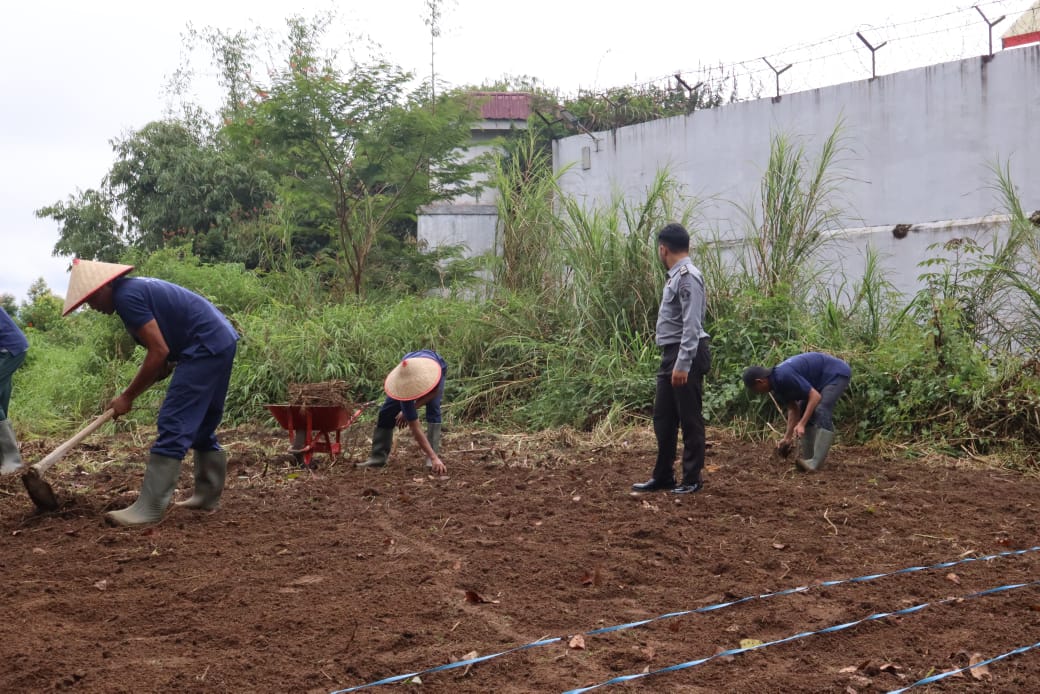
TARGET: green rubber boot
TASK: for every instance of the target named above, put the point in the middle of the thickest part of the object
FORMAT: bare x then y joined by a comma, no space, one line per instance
433,435
210,473
10,456
808,442
824,438
382,442
160,479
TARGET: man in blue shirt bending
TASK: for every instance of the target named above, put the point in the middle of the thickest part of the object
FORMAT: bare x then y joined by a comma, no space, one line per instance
183,334
809,385
418,381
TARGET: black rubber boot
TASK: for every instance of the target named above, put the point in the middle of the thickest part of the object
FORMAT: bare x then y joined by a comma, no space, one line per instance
808,442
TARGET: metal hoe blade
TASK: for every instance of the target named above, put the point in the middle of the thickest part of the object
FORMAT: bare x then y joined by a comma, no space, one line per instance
39,491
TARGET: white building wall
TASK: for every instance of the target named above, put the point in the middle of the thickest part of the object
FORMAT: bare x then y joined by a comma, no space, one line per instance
469,220
920,146
472,226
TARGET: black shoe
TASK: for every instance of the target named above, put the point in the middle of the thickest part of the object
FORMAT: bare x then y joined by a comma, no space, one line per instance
688,488
652,485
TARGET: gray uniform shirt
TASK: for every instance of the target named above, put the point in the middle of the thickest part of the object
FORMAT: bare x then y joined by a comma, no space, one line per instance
681,316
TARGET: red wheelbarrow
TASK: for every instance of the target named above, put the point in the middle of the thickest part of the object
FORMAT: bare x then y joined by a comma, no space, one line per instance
318,424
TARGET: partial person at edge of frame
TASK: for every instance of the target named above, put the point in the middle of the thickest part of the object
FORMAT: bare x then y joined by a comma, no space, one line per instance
809,385
14,347
416,382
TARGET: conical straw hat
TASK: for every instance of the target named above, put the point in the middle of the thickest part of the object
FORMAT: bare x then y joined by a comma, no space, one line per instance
87,277
412,378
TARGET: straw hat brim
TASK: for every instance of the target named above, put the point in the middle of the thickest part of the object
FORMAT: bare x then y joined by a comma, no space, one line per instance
86,278
412,379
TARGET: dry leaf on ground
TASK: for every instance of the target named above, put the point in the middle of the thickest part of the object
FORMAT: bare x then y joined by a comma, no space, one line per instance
977,671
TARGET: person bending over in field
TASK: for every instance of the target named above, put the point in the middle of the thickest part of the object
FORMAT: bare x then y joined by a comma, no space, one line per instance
183,334
809,385
416,382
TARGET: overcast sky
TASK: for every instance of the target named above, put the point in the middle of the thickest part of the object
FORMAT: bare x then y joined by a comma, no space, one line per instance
77,74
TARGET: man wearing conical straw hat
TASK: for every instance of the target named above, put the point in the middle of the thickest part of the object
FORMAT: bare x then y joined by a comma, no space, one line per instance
183,334
416,382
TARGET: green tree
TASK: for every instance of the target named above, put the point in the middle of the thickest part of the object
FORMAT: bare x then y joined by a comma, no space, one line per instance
88,226
42,310
171,179
354,151
9,304
174,180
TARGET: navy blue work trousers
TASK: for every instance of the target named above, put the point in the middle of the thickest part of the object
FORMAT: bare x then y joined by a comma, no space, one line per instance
194,405
823,415
9,363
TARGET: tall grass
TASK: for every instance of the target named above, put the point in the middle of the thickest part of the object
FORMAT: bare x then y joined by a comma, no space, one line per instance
760,309
527,190
859,311
797,206
613,275
1011,276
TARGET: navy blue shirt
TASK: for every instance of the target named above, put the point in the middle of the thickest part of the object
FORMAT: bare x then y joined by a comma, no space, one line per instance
411,413
190,325
12,339
792,379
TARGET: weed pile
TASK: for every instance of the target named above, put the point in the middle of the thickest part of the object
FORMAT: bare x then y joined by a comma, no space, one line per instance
325,394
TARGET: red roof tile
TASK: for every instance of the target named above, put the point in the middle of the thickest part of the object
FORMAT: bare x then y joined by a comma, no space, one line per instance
504,105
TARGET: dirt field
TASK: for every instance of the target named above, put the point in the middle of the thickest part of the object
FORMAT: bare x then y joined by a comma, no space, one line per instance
316,582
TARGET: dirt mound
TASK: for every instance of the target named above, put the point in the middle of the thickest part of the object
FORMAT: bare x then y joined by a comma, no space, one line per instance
316,581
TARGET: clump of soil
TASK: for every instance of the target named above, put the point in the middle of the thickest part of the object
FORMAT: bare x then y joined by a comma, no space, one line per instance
324,394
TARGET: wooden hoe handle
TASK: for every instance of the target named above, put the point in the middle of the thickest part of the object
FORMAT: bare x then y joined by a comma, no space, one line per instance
60,452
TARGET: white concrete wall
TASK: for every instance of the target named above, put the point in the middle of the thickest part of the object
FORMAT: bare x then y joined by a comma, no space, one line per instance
487,195
472,226
921,145
845,257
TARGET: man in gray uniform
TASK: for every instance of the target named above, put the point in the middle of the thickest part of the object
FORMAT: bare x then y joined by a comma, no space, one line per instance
685,358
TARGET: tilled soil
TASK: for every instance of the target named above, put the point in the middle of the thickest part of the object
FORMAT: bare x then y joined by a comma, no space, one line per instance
321,581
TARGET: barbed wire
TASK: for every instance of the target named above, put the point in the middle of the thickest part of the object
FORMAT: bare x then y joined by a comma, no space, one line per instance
842,57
